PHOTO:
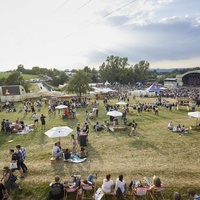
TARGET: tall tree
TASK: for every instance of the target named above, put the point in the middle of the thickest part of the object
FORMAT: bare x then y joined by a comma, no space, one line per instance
79,83
141,71
16,79
114,69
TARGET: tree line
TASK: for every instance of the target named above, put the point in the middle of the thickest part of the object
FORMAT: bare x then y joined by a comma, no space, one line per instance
114,70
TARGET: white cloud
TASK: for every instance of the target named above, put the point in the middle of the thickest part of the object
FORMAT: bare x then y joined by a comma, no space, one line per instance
76,33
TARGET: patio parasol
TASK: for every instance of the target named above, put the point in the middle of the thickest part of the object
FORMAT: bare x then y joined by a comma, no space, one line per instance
57,132
195,115
61,107
114,113
121,103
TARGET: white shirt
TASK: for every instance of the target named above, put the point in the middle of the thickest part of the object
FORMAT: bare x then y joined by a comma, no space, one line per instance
120,184
35,116
106,187
55,150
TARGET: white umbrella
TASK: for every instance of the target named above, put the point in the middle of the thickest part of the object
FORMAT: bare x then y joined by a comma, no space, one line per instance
60,131
114,113
61,107
195,115
121,103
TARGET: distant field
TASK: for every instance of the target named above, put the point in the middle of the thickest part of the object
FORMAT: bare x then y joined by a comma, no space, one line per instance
172,157
26,76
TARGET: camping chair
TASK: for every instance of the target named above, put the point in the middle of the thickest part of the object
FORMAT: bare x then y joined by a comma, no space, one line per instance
109,196
88,189
140,192
157,191
72,191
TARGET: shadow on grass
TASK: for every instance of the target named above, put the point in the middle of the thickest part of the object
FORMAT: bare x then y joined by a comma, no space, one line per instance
140,144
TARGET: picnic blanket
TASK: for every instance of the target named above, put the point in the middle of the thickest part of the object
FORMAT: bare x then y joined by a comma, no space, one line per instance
75,159
24,132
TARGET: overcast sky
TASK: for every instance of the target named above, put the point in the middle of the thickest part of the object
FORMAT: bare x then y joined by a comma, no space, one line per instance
72,34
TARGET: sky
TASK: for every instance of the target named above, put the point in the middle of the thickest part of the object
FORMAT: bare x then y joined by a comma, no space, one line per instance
72,34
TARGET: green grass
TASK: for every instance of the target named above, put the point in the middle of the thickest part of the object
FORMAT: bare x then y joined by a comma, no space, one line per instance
25,76
172,157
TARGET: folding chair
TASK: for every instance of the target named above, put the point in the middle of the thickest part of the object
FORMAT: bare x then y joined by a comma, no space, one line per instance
157,191
109,196
87,190
140,192
71,191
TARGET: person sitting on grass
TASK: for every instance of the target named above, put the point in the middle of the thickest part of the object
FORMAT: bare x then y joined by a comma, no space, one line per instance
83,153
170,125
98,127
67,154
192,193
57,190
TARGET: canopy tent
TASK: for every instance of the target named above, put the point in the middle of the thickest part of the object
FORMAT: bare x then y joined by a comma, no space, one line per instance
154,88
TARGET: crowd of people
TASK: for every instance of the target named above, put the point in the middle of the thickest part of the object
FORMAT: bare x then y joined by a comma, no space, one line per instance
118,187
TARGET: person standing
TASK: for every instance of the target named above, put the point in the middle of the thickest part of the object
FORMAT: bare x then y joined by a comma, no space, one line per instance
16,158
73,140
97,112
133,128
78,131
35,118
86,115
156,110
23,157
43,122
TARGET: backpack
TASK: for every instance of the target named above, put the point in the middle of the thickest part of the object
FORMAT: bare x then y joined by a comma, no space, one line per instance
15,157
56,189
13,177
118,192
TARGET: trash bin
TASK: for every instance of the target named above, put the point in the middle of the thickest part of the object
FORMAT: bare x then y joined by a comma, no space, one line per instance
83,140
193,108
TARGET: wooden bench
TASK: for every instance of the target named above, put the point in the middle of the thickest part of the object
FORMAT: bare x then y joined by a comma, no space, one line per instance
118,127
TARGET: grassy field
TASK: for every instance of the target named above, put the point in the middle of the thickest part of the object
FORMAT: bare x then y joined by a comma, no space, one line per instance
172,157
25,76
